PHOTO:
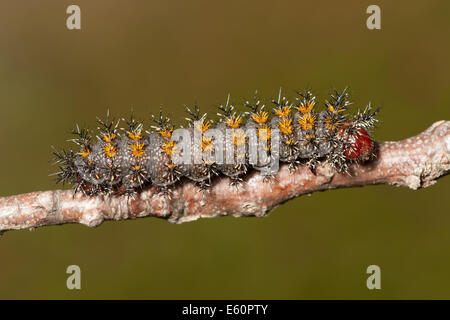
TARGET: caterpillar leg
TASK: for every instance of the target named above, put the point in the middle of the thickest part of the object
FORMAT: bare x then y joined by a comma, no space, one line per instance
237,182
166,192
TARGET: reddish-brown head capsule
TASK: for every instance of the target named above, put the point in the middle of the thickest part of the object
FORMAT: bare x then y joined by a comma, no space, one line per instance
358,145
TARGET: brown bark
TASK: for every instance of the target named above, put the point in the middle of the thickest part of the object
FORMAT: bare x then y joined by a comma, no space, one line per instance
415,162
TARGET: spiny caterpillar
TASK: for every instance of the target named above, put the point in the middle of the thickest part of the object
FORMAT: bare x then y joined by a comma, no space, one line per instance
125,160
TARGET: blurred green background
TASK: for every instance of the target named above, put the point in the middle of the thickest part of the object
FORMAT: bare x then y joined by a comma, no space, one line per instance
143,54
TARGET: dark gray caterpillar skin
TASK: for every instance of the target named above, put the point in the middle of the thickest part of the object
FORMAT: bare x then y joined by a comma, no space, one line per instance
262,139
200,167
123,161
305,126
289,150
283,120
157,165
235,163
199,171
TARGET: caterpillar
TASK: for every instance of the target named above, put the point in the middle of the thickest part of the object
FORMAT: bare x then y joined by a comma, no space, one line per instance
124,160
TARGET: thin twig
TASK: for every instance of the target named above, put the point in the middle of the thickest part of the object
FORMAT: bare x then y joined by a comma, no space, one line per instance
415,162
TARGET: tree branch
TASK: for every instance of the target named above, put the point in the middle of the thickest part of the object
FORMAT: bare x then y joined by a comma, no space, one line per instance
415,162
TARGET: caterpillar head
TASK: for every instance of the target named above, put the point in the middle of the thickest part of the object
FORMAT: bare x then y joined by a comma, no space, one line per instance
358,144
